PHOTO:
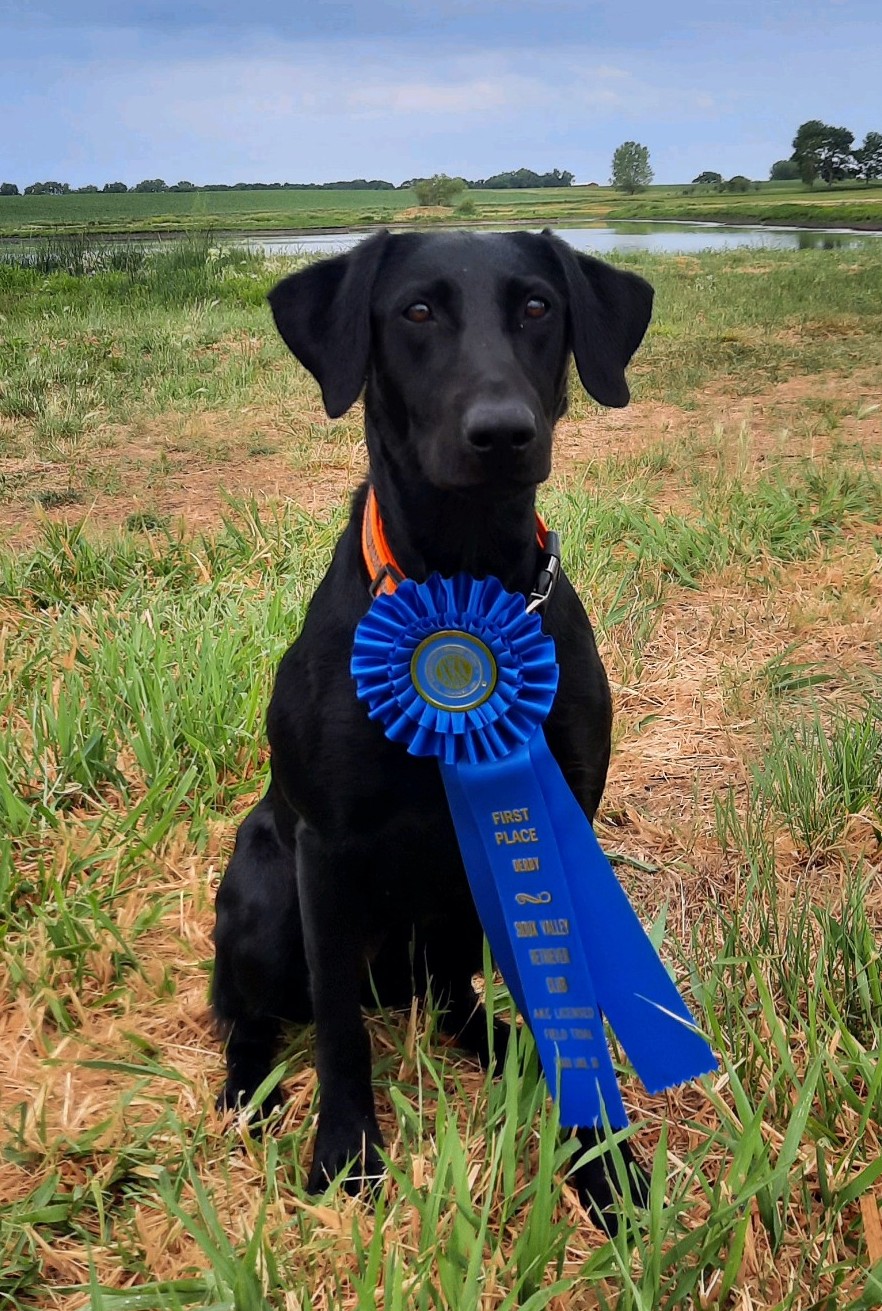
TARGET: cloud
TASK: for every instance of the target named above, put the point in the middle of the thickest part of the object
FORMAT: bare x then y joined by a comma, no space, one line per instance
297,98
474,96
322,110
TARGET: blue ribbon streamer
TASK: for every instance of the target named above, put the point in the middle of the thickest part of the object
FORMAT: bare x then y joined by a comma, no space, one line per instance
456,668
530,914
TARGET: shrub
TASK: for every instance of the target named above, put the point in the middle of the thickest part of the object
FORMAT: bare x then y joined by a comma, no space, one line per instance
438,190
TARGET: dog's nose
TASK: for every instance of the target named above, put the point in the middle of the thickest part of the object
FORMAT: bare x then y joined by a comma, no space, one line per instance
499,427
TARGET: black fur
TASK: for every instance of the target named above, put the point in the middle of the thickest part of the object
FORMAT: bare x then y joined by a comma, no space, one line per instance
350,861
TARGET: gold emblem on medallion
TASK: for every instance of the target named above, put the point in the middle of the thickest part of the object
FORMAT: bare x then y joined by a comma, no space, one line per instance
454,671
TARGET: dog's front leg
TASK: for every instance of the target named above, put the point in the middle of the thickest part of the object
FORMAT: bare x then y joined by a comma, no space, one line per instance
332,893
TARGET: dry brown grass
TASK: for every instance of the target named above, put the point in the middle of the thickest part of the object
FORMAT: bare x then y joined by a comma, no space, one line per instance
184,467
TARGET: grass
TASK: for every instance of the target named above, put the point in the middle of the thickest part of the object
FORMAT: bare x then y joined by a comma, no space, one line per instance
824,773
117,368
724,533
268,211
195,211
855,207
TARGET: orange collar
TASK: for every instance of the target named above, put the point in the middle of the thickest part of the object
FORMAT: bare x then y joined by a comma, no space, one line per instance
385,573
383,569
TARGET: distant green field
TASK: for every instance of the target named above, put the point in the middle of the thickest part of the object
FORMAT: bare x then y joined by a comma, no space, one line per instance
274,211
190,211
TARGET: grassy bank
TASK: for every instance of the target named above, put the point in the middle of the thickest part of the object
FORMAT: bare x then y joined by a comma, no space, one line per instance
724,532
269,211
831,211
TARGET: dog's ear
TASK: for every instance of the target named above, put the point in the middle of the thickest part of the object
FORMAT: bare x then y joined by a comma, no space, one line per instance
610,311
323,315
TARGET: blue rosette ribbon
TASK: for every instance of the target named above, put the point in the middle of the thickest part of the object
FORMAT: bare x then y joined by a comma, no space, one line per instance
457,668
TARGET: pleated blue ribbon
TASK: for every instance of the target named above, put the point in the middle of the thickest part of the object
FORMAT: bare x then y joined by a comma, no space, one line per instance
456,668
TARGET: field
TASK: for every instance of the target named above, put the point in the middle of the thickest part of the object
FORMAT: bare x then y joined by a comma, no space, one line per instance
169,494
195,211
275,211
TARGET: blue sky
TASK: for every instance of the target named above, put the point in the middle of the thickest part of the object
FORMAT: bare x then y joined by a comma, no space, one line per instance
267,90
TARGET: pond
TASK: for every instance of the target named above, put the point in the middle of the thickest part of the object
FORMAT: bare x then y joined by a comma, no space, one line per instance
658,238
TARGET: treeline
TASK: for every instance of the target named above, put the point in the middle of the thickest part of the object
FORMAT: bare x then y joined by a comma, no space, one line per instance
823,151
517,178
522,178
820,150
154,185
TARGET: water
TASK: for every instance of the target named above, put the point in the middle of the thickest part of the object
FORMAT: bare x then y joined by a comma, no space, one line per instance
658,238
623,235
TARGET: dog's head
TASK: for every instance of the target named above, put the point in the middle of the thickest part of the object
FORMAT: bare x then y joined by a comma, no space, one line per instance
463,341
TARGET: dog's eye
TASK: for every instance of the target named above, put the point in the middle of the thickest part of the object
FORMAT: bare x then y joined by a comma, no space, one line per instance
418,313
536,308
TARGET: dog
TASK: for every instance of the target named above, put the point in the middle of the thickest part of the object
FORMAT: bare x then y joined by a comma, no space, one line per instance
346,880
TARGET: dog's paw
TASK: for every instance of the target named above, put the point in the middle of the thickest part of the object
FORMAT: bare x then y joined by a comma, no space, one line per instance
350,1148
600,1186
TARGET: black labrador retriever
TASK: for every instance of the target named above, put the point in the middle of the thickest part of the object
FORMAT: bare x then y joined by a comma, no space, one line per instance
346,881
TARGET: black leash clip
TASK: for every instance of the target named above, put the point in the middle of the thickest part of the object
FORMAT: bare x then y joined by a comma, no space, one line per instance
549,572
385,571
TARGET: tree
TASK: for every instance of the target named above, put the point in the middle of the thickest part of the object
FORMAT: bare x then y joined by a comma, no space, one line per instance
821,150
630,167
48,189
88,190
837,160
183,186
114,186
867,156
784,170
807,146
438,190
151,184
707,179
8,189
738,183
